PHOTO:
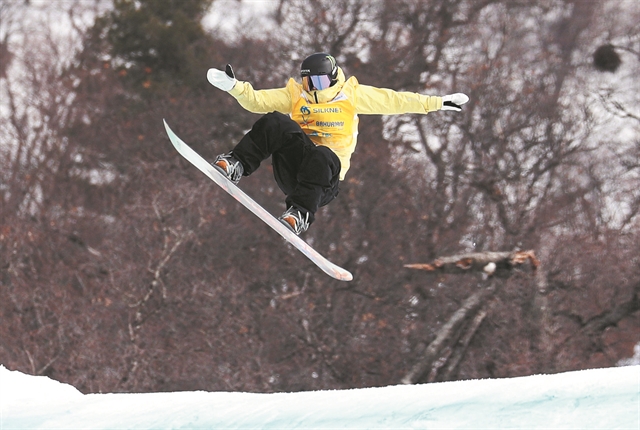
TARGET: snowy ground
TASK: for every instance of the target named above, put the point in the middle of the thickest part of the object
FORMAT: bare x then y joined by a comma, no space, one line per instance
590,399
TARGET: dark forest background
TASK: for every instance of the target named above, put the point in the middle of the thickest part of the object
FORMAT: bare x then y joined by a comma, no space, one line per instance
122,268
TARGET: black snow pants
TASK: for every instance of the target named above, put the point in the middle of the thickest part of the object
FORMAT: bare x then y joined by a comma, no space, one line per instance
308,174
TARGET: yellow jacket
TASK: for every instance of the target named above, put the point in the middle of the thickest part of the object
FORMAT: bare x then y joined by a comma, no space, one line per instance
330,116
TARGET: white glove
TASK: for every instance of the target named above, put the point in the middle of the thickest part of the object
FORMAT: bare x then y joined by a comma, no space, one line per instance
454,101
224,80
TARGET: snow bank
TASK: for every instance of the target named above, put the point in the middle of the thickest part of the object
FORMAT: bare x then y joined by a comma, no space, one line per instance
590,399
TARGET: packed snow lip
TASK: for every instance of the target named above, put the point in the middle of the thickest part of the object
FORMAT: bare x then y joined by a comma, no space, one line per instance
589,399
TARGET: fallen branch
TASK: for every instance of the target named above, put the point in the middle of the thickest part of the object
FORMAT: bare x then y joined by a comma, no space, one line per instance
499,263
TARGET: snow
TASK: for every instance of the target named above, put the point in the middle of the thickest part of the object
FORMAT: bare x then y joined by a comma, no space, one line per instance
589,399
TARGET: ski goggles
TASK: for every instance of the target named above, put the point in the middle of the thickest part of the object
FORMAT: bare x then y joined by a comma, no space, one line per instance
316,82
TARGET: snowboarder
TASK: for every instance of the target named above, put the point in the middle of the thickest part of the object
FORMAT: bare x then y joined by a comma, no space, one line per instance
310,130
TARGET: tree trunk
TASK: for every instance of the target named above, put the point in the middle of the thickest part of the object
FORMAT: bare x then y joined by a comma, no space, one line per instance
448,334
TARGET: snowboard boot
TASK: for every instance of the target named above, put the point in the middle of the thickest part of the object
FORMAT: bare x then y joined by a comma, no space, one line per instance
229,166
295,221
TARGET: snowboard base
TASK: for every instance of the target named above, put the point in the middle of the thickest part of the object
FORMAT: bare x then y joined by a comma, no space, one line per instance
194,158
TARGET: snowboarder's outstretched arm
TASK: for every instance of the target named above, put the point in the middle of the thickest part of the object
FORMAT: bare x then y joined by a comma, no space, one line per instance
256,101
383,101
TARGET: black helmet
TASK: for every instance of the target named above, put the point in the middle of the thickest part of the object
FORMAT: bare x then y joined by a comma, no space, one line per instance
317,65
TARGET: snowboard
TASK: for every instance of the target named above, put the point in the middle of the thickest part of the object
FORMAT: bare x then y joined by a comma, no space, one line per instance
194,158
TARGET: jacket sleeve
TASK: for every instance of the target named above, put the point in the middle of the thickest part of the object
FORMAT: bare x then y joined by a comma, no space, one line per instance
383,101
262,101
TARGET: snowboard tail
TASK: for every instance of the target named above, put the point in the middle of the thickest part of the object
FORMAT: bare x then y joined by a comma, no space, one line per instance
194,158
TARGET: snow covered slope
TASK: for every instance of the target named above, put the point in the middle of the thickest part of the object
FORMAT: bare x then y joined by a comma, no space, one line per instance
591,399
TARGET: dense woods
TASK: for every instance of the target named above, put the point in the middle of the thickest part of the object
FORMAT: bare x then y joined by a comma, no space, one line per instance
123,269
